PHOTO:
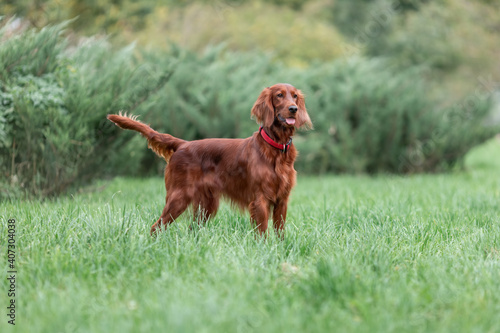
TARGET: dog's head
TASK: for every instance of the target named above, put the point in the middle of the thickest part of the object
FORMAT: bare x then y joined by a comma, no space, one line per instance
281,105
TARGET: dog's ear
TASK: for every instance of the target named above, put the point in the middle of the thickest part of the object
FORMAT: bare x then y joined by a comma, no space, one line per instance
263,109
303,120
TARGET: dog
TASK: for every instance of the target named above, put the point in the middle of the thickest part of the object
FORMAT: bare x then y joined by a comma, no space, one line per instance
256,173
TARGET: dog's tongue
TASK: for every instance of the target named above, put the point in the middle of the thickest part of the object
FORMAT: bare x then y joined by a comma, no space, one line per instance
290,121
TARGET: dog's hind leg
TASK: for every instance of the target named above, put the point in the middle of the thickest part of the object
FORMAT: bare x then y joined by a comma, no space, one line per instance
176,204
205,206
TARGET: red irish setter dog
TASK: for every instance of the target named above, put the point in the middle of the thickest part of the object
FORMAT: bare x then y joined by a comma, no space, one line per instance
255,173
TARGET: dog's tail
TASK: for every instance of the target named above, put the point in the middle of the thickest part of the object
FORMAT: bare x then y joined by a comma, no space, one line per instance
164,145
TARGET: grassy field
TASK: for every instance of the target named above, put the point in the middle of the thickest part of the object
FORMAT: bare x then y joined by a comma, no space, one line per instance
361,254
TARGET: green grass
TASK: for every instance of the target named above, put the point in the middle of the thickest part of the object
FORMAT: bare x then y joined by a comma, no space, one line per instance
382,254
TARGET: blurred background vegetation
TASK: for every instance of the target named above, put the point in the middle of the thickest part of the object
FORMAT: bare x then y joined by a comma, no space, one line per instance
398,86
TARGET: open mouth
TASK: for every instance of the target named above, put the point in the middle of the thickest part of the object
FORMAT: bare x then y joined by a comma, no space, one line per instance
288,121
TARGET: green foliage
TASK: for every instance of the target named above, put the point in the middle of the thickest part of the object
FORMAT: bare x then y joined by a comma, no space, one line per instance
428,37
350,15
410,32
371,118
277,27
291,36
94,16
453,38
54,99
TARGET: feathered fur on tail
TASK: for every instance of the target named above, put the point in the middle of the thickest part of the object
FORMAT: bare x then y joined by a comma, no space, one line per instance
164,145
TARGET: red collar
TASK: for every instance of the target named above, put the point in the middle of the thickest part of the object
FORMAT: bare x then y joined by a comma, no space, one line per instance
280,146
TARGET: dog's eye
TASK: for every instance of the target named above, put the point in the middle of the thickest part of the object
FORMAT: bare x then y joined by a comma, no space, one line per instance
295,96
280,95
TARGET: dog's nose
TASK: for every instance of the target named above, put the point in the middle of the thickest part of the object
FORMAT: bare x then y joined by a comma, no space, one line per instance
292,109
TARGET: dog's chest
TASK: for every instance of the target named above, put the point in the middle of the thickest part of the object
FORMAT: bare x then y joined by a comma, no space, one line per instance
285,180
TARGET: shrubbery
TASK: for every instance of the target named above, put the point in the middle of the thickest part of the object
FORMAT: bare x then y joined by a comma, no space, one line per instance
54,99
373,117
368,116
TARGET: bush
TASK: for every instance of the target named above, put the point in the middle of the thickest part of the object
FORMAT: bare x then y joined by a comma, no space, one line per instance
371,117
54,100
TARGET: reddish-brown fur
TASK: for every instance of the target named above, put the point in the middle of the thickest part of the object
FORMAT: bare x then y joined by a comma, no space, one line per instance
250,172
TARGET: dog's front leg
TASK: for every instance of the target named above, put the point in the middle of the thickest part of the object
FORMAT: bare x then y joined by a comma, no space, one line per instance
279,217
259,213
